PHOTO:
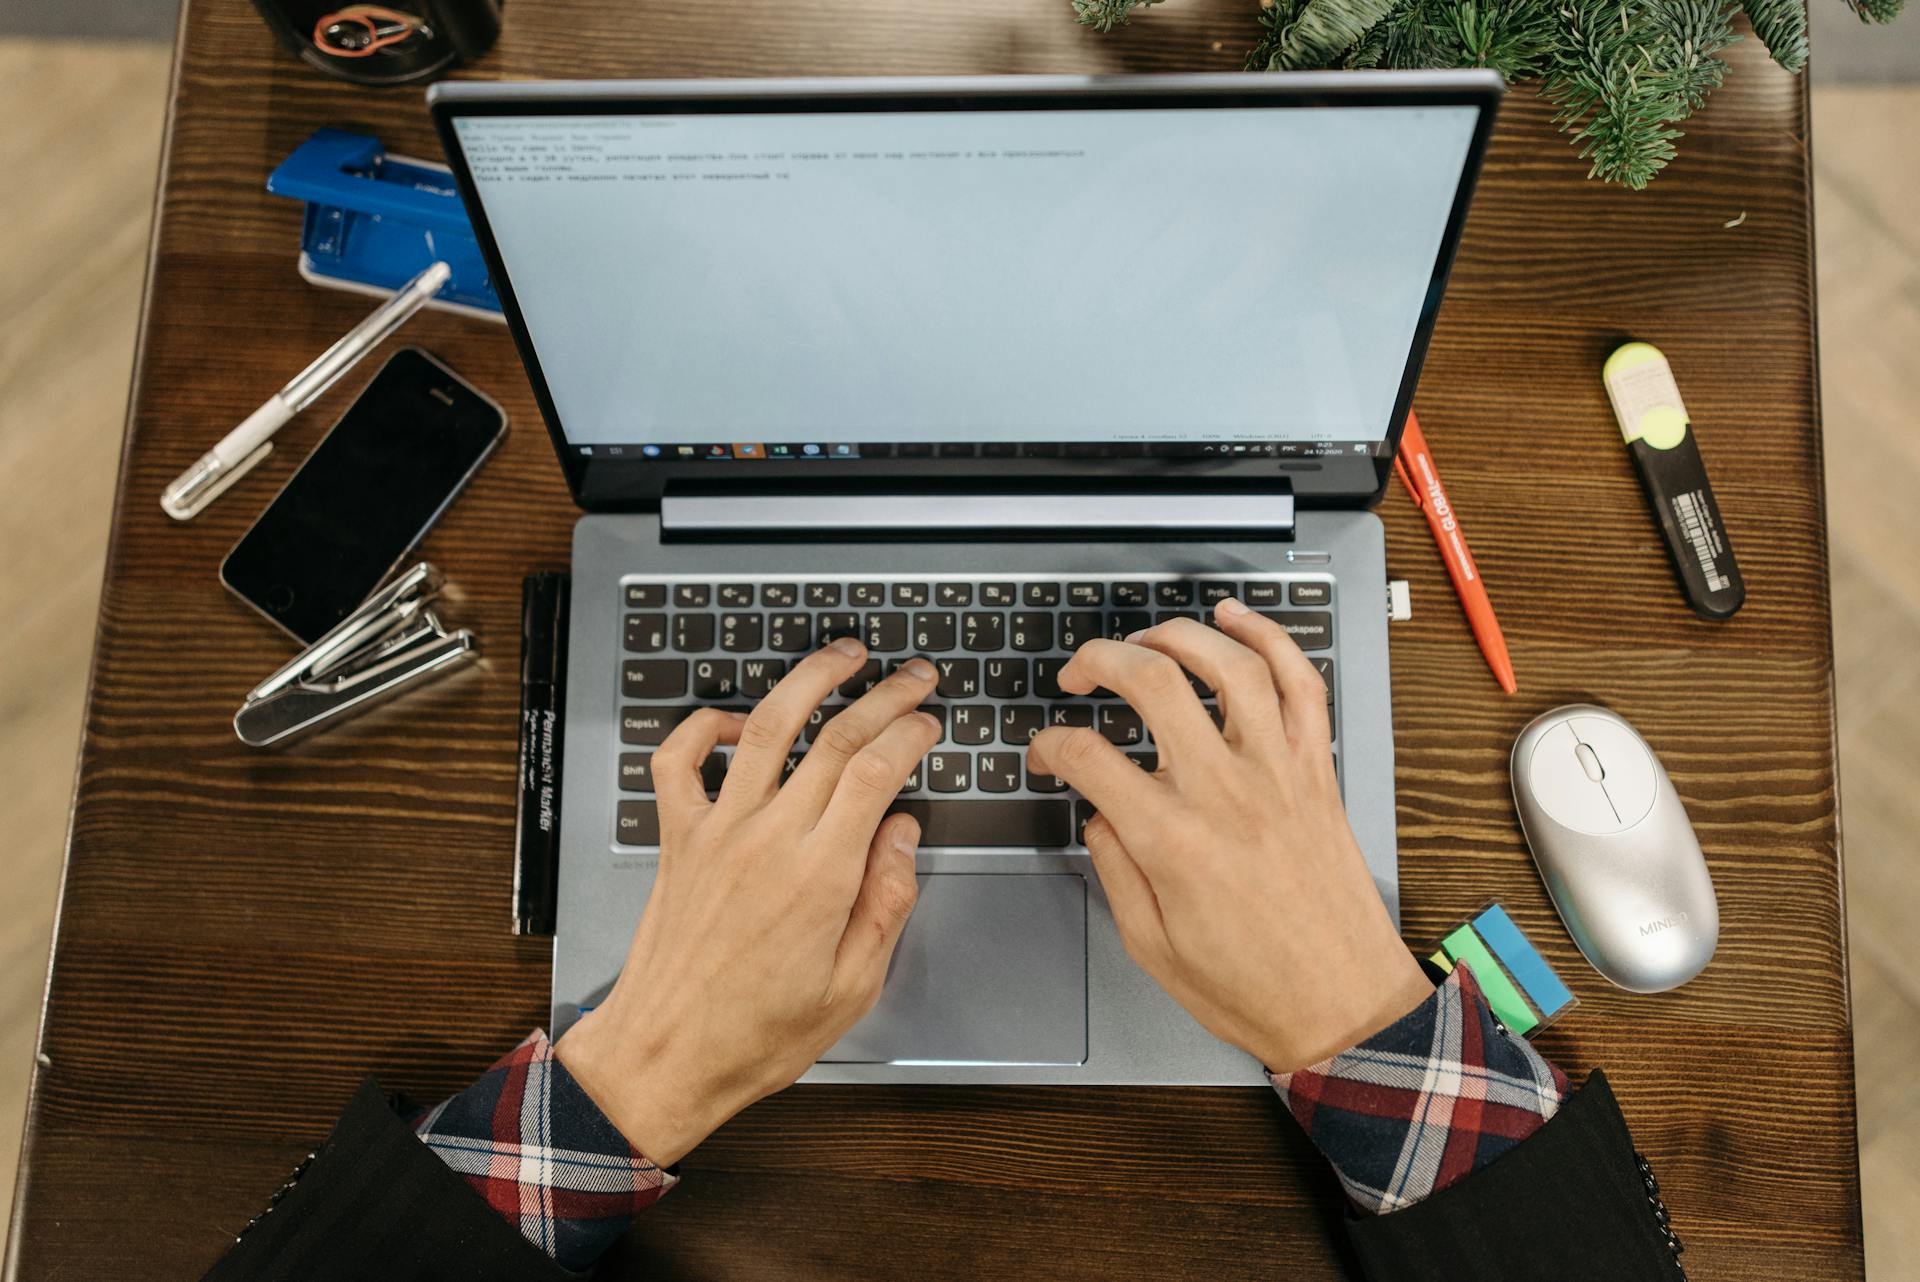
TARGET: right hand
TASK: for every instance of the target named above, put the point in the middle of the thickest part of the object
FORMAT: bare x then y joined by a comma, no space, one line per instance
1233,876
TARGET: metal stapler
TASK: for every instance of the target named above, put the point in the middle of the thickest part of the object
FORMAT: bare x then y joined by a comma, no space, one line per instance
392,643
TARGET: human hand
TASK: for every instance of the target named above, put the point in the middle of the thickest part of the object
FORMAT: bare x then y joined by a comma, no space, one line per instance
1233,876
774,912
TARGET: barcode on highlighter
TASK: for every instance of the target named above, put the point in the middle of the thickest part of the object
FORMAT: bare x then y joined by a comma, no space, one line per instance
1694,528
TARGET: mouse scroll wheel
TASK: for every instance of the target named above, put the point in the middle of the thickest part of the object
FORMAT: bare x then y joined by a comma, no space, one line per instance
1589,762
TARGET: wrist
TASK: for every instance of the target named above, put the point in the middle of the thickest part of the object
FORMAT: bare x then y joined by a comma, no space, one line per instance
663,1109
1390,989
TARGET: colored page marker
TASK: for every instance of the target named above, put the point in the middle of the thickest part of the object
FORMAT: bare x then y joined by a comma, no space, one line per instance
1542,986
1463,945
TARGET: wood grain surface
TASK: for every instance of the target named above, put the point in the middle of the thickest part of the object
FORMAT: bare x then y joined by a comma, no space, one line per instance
244,935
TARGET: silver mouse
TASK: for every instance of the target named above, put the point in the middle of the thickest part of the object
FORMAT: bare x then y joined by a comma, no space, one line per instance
1615,848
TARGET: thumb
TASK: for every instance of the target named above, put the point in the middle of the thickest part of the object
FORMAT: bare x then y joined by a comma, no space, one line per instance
880,910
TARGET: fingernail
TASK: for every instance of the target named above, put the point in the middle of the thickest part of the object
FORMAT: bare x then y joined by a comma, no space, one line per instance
1133,638
1233,606
933,722
919,669
849,647
904,839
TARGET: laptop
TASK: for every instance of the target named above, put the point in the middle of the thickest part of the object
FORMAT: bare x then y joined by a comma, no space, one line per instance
975,369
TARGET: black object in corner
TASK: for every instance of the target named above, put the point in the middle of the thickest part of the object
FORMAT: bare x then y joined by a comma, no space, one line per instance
544,600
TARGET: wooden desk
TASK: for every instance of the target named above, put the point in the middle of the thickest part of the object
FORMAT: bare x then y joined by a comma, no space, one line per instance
243,934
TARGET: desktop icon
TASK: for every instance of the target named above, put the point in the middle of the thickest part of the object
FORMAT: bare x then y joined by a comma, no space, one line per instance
686,451
779,451
810,451
846,451
752,449
651,451
716,451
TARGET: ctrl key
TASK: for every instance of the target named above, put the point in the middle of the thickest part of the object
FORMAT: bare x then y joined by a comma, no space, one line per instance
637,824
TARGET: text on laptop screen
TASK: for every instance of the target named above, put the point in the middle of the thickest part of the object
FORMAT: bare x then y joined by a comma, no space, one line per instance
1175,275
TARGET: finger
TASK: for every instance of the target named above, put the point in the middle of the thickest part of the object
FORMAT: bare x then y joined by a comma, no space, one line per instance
1240,679
677,785
1136,909
873,777
888,891
855,726
775,721
1303,695
1154,685
1103,774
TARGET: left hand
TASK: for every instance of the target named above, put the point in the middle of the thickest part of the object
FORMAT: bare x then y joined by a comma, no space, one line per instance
775,911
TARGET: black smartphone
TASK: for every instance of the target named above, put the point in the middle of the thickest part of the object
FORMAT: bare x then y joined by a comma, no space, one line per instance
365,496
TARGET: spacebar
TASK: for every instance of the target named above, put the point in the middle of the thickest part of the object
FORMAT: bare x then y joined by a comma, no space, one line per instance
990,823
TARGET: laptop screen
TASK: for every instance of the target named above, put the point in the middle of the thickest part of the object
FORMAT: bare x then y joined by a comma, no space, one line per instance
792,283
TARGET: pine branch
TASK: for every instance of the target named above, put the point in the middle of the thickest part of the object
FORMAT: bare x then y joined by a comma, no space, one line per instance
1105,15
1511,36
1877,10
1312,33
1782,28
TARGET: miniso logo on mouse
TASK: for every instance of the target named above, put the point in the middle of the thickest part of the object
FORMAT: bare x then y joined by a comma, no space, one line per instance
1659,924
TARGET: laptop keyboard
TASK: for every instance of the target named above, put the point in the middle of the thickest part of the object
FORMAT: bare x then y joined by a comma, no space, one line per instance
998,645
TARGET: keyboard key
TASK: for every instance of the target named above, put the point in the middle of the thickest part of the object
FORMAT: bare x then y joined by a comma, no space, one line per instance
1325,668
1261,594
1082,812
938,711
1019,722
779,596
998,594
818,718
1078,627
836,624
865,679
1121,725
997,771
646,633
1212,592
1046,678
636,772
789,633
1166,615
1045,783
979,631
959,678
973,723
1030,631
1130,594
953,594
948,772
693,632
637,824
737,596
823,596
1000,822
713,772
650,726
758,676
910,594
886,632
1070,714
867,594
653,678
1310,631
1041,594
741,633
1175,593
646,596
1122,624
1310,593
1006,678
1083,595
690,596
933,633
713,679
1148,761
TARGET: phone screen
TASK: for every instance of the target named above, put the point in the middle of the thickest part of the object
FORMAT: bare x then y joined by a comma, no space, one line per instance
365,496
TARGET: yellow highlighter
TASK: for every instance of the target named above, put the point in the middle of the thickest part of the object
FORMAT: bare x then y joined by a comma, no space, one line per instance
1659,436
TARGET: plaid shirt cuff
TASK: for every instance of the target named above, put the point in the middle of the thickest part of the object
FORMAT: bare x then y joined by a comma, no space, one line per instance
1426,1101
541,1153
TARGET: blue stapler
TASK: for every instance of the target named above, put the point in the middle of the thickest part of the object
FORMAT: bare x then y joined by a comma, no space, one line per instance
374,221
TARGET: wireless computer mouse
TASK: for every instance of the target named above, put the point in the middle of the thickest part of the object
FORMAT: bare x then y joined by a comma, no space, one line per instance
1615,848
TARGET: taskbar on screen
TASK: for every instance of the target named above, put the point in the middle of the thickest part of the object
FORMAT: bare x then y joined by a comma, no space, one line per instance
749,451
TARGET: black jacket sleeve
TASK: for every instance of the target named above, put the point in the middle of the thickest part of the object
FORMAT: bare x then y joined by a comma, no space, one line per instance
1572,1203
374,1202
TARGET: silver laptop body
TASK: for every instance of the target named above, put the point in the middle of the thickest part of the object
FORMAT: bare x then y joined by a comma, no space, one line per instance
821,357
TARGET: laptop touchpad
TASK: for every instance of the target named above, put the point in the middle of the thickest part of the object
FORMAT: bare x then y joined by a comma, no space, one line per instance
992,969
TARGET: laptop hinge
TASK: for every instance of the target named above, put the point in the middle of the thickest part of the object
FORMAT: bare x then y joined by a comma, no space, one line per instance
1054,512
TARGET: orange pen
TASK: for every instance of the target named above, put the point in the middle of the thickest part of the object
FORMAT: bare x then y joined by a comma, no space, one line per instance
1417,472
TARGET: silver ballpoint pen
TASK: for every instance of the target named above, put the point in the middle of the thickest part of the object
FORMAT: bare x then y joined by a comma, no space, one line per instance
242,448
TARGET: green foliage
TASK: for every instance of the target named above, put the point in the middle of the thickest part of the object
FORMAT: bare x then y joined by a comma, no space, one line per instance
1621,74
